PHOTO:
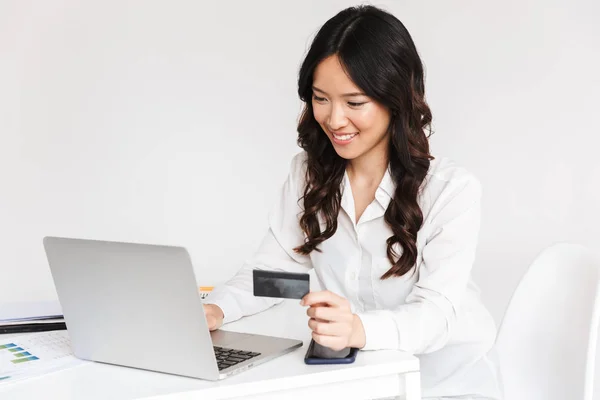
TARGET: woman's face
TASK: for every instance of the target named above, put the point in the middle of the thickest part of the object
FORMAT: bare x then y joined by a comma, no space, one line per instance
355,124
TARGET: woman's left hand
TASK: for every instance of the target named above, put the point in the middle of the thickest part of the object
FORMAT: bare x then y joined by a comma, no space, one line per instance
332,322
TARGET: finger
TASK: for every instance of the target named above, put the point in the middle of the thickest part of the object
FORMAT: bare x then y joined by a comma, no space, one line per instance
335,343
329,328
211,322
328,314
325,296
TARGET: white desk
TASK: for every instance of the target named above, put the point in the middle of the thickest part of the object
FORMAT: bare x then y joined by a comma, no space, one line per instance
373,374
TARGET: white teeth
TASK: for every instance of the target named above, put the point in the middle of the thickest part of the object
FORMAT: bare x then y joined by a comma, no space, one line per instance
344,137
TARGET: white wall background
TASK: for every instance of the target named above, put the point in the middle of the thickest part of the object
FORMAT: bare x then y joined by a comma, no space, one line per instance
173,122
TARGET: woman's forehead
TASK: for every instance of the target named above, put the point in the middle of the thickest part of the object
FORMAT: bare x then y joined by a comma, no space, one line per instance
331,78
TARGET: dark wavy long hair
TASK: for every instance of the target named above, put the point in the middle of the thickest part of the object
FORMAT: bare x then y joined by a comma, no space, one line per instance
380,57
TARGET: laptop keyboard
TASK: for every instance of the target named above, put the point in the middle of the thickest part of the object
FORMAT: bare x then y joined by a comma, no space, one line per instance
229,357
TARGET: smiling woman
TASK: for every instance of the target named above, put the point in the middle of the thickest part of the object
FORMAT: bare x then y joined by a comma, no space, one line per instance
362,82
345,113
390,231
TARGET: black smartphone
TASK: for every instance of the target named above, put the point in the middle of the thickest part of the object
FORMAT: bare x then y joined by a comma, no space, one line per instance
317,354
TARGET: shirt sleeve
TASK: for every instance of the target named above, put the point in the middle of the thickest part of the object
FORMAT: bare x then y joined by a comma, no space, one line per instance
426,321
275,253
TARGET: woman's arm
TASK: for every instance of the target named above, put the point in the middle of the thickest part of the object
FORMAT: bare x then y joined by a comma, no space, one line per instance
235,297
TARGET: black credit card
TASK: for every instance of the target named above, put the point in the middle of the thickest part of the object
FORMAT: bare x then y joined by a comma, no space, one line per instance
283,285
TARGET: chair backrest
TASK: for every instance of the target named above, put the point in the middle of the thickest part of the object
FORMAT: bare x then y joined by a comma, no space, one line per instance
546,344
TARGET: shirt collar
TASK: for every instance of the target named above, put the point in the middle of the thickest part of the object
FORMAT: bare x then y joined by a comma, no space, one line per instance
387,183
384,193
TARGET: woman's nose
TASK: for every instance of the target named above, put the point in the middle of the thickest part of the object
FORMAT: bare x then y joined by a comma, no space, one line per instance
337,119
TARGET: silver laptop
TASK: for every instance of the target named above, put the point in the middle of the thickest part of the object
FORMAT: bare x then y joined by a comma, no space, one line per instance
139,306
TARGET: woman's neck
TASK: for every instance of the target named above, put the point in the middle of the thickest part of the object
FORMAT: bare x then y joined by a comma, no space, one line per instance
368,169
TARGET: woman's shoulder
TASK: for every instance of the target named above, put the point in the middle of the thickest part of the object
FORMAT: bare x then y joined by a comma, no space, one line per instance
444,170
448,182
298,163
297,173
447,173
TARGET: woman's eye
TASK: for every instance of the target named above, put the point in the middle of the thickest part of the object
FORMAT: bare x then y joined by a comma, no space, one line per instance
319,99
352,104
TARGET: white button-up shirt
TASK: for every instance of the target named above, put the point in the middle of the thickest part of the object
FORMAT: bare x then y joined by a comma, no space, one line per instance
434,311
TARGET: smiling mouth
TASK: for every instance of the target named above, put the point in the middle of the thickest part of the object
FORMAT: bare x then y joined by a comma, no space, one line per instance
344,137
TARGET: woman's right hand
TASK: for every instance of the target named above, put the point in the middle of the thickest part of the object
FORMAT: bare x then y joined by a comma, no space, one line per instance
214,316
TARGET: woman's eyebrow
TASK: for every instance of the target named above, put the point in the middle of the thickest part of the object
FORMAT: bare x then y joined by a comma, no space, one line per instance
316,89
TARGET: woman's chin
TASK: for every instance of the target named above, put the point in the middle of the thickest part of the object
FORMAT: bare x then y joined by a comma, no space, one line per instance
347,153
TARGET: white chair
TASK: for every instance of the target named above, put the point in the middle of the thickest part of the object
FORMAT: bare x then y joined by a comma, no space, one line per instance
546,344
